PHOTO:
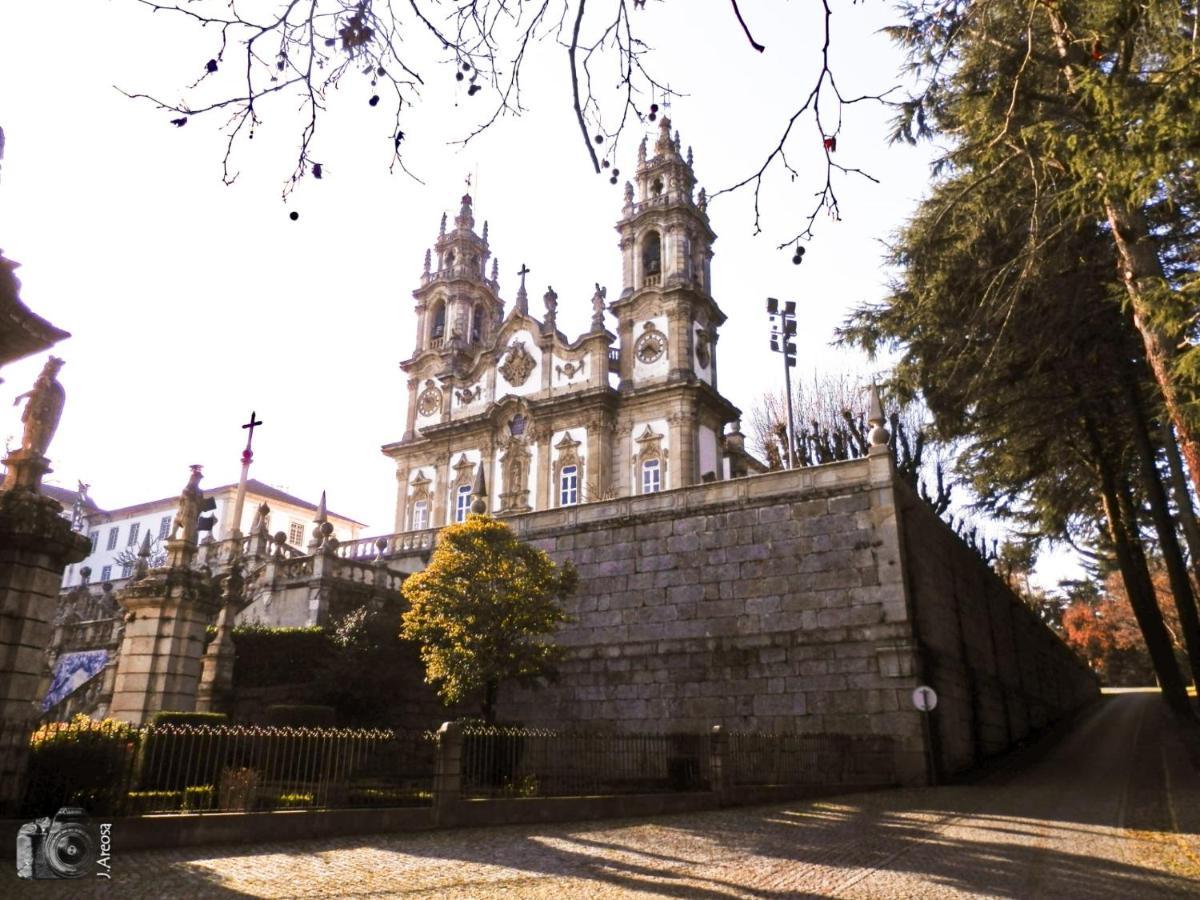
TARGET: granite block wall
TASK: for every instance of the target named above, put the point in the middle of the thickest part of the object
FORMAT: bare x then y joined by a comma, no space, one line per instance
999,672
772,603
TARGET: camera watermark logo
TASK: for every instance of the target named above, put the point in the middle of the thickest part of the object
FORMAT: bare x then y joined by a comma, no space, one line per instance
68,845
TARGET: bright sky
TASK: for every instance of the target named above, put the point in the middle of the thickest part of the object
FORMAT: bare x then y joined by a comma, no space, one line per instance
191,303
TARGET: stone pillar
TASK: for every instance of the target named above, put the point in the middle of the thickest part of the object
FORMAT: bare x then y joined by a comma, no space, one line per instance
166,613
541,487
447,777
719,751
36,544
215,691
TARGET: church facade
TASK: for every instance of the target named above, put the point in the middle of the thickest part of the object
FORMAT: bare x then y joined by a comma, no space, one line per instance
555,422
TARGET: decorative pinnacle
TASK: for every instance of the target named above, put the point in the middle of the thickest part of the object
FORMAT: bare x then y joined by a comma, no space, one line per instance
485,230
465,219
689,157
495,270
143,563
442,229
879,436
321,515
428,261
522,304
479,491
642,152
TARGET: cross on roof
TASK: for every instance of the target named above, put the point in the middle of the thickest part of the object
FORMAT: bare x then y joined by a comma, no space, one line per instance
524,270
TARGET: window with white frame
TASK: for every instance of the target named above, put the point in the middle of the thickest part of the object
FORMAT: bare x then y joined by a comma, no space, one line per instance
295,533
568,486
651,477
94,537
462,503
420,515
164,527
112,538
106,573
133,534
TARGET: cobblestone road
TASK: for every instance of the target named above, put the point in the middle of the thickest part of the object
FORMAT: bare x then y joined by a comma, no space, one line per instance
1112,811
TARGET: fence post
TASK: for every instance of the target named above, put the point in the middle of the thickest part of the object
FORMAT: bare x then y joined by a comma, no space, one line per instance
717,749
447,778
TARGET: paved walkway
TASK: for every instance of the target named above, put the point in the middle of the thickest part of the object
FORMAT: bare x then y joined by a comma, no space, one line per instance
1110,811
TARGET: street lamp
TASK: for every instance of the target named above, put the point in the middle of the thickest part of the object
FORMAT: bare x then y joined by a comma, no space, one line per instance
783,330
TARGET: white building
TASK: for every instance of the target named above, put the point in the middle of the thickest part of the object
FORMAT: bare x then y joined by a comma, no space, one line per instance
117,533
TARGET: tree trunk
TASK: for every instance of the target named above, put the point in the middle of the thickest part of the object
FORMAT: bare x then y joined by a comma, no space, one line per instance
1122,529
1139,266
1168,539
1183,498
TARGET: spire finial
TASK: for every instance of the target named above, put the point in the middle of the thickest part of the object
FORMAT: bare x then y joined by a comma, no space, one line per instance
522,297
442,229
485,231
879,435
689,156
428,261
465,218
479,490
642,151
143,562
495,269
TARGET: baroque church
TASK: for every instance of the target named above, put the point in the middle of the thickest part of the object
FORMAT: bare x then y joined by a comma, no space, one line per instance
550,421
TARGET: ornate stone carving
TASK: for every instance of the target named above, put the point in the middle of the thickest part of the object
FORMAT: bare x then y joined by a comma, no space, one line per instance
703,349
469,395
518,364
429,403
569,370
515,465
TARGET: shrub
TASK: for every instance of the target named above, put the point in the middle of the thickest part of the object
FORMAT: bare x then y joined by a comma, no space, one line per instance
271,656
294,801
238,789
82,762
198,797
189,718
142,802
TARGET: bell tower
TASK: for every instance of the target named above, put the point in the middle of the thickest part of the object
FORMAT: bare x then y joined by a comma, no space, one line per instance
458,307
668,318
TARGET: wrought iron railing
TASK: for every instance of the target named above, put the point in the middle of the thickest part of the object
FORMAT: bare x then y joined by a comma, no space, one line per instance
521,762
116,769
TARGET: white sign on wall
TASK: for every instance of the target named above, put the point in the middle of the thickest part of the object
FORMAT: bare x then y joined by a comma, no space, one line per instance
924,698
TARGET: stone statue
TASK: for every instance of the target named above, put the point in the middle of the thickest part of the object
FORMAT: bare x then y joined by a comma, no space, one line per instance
261,516
43,410
598,307
702,200
187,518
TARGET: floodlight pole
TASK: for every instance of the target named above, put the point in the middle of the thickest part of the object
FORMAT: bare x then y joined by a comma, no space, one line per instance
791,420
786,314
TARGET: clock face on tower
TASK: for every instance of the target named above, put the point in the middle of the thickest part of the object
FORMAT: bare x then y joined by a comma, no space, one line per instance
650,347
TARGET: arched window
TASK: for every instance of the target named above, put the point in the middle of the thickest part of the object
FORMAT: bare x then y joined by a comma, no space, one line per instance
462,503
651,477
477,324
439,320
420,515
652,254
568,486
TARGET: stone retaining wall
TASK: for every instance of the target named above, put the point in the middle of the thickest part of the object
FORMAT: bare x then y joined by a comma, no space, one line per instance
784,602
999,672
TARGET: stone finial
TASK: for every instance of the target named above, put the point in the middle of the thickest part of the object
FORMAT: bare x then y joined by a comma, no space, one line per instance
676,141
428,262
551,300
664,146
43,408
522,304
279,539
321,515
689,157
879,435
598,299
702,200
143,561
485,231
495,270
479,492
442,229
628,195
642,152
261,516
465,218
320,519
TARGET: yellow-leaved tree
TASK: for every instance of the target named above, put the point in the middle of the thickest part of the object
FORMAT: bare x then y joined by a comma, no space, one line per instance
483,611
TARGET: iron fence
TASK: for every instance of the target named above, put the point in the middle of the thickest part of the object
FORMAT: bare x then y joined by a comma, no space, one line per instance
761,758
116,769
524,762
